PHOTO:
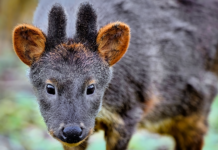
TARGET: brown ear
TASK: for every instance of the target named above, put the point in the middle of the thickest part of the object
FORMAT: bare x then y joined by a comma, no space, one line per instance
28,42
113,41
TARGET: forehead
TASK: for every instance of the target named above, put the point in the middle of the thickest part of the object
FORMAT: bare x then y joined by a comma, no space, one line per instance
74,57
76,54
67,60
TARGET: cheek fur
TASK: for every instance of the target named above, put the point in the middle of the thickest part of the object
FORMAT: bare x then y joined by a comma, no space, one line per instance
44,105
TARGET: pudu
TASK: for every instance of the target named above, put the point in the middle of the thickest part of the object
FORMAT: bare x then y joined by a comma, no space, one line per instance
89,81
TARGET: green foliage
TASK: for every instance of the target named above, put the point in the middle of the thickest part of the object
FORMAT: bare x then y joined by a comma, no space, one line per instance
23,125
211,139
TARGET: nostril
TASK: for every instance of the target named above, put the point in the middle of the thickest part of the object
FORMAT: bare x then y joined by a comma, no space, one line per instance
72,132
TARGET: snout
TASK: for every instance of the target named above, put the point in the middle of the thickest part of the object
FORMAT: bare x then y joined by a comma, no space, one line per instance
71,135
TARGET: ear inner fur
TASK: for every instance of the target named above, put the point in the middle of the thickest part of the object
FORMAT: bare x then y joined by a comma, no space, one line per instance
28,43
113,41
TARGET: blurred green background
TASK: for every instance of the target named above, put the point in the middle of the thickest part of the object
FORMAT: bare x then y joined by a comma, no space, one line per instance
21,125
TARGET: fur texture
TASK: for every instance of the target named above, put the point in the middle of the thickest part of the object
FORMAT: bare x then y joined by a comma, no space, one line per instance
165,82
28,42
56,27
117,33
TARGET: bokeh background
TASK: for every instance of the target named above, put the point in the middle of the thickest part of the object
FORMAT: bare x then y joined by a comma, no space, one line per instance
21,125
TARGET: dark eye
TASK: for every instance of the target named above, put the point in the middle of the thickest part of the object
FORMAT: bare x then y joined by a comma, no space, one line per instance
50,89
90,89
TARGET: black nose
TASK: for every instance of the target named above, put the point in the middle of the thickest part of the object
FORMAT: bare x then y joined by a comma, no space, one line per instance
72,134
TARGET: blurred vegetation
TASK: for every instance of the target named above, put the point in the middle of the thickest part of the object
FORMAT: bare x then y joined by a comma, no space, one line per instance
22,127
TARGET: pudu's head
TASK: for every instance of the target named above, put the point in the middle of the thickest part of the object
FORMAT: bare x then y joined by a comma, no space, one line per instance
70,76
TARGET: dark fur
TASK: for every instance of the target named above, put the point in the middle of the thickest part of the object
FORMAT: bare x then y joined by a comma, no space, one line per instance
71,67
86,27
56,27
165,82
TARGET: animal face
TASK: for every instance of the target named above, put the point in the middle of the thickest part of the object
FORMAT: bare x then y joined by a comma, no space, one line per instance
70,76
70,82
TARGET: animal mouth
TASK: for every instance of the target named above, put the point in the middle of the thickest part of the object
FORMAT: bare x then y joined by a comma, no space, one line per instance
70,142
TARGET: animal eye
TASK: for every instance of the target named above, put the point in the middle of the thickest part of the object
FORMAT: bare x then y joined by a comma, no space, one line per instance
50,89
90,89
